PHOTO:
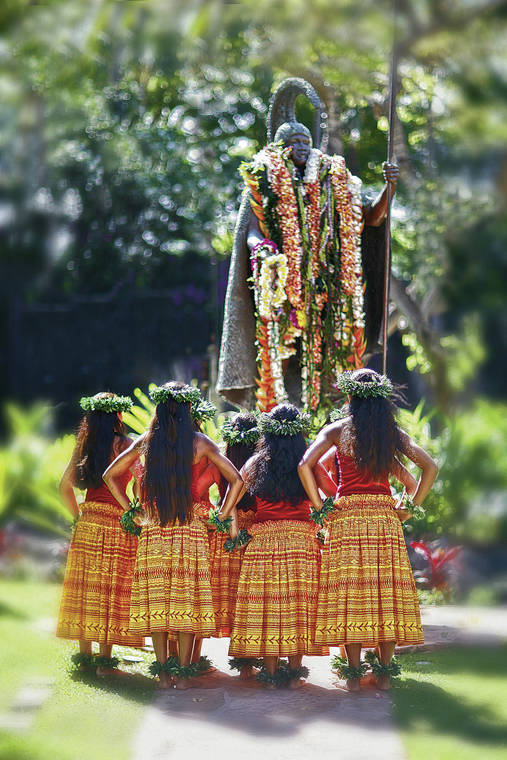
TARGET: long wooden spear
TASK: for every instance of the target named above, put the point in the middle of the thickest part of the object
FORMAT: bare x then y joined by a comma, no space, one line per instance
390,141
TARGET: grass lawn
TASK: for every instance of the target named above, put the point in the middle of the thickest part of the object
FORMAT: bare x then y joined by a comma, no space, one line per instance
84,717
453,704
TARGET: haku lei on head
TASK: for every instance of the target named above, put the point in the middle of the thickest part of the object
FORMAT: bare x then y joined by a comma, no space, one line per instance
189,394
107,404
203,410
316,226
370,389
270,426
232,436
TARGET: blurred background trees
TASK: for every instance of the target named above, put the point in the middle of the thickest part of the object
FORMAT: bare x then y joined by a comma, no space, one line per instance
122,128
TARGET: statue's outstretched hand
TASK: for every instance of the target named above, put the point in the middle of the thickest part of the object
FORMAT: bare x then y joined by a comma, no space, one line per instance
391,172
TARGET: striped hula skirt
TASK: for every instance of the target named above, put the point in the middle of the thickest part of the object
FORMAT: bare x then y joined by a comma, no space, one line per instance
367,592
225,571
96,591
171,589
277,592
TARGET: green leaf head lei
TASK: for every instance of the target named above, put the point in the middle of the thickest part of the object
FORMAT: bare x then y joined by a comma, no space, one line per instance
232,436
105,402
381,388
186,394
202,410
268,425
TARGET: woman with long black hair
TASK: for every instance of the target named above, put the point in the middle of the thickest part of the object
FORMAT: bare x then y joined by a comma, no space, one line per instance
277,590
171,589
367,594
95,604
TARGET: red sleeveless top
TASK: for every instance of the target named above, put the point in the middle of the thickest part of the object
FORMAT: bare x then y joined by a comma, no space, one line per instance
282,510
103,495
354,481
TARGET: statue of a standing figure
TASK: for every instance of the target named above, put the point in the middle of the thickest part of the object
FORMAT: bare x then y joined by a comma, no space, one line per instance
304,297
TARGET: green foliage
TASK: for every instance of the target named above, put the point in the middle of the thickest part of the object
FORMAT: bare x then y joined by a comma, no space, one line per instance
468,499
31,465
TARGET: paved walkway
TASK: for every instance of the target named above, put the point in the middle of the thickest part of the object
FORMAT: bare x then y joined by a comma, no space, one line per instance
230,719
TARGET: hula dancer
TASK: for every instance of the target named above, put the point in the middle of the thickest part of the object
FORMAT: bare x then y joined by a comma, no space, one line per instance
278,585
367,594
95,602
240,433
171,589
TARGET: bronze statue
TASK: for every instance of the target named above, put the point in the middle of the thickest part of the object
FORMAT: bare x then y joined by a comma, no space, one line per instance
304,297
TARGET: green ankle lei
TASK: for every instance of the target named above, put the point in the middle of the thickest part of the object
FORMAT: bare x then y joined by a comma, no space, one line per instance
346,671
101,661
238,663
282,675
174,669
379,669
82,659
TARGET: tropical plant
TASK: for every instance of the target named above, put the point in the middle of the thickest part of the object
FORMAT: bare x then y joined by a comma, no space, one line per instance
440,560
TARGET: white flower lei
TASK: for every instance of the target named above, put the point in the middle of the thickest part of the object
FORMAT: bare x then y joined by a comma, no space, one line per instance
270,299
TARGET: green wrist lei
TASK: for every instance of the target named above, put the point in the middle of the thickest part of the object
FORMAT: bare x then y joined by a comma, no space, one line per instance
417,512
243,537
221,526
127,518
238,663
346,671
107,404
318,515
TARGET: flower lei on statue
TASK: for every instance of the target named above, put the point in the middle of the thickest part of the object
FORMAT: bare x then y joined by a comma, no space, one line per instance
310,258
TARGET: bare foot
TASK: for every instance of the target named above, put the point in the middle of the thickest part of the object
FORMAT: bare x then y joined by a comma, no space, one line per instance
296,683
247,672
182,684
352,684
165,681
383,683
212,669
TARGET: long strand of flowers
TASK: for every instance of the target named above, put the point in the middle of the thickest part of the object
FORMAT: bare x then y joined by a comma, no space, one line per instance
347,190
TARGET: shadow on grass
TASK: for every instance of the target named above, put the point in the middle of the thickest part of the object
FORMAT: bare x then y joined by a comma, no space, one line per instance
132,686
486,662
424,707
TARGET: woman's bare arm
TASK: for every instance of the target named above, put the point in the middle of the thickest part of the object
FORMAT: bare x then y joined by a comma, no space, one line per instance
206,447
324,481
323,442
118,467
400,472
426,464
66,488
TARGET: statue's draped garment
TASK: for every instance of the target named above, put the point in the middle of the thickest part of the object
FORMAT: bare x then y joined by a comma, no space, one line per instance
314,298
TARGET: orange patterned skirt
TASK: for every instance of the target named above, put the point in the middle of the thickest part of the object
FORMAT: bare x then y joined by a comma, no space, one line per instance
225,571
277,592
171,589
95,602
367,592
